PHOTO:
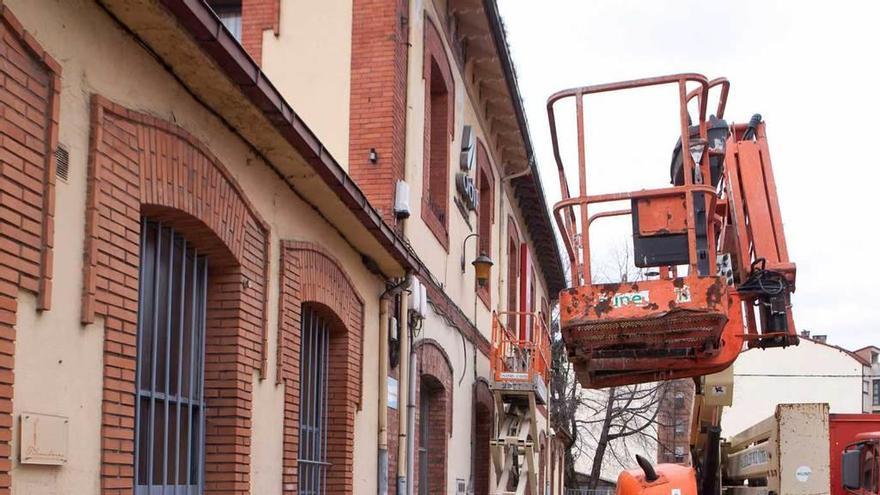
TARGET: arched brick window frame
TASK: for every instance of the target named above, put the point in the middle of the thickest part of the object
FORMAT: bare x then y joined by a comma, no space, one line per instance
435,376
513,274
483,429
543,447
310,276
141,165
29,109
439,118
485,213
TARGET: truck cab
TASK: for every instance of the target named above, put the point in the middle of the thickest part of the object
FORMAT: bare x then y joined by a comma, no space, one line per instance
859,466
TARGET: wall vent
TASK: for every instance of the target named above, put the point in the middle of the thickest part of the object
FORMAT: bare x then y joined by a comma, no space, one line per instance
62,162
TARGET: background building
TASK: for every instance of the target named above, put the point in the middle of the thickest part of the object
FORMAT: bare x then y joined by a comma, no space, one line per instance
814,371
871,388
673,430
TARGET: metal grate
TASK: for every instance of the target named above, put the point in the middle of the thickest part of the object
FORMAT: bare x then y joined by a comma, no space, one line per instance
62,162
312,459
170,405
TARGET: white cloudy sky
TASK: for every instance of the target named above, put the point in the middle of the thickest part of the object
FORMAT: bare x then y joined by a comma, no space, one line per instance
809,68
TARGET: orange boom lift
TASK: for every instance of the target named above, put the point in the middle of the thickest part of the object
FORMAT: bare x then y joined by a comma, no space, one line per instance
714,239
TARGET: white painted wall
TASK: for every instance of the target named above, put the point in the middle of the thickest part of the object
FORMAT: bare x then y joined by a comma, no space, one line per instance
810,372
310,63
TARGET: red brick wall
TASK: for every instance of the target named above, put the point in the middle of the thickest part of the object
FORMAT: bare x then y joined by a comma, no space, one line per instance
309,276
379,57
258,16
485,214
484,417
439,116
435,375
512,273
433,364
29,107
138,165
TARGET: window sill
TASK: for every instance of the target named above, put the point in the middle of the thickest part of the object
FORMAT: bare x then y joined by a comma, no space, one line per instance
437,227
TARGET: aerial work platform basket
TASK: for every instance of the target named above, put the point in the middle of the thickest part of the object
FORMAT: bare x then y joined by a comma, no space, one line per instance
713,241
520,361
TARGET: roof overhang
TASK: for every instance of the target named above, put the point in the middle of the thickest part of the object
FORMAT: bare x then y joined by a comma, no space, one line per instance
479,25
192,44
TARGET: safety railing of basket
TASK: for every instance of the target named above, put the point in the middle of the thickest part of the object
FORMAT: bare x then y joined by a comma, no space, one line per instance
523,355
571,214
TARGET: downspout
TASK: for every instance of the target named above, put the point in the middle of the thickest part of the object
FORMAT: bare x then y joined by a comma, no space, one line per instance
411,421
403,398
382,441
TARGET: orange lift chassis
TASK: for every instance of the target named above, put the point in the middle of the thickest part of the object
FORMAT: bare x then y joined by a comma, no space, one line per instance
713,238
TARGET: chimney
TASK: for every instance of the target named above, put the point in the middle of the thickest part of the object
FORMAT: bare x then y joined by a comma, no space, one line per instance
805,334
821,338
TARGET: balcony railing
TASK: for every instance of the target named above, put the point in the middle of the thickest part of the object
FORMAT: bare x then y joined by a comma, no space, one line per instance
522,355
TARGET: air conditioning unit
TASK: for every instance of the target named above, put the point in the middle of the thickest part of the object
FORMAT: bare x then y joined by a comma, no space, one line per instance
401,200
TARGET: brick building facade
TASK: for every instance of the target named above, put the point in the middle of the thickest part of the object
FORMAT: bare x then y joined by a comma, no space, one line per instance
201,253
674,422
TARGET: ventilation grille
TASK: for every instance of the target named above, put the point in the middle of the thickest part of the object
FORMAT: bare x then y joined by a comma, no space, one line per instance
62,162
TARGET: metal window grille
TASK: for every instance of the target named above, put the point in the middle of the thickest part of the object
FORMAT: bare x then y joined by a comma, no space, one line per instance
424,428
170,404
62,162
312,459
876,393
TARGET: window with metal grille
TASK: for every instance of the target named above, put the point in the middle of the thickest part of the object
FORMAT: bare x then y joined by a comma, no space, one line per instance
312,459
170,405
875,397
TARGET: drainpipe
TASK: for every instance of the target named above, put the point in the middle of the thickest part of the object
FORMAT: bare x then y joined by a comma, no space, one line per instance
382,464
402,398
411,420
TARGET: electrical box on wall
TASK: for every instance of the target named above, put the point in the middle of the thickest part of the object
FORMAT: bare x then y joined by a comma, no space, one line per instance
401,200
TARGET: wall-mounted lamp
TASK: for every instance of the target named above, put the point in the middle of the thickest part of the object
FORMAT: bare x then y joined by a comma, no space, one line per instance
482,264
482,267
374,157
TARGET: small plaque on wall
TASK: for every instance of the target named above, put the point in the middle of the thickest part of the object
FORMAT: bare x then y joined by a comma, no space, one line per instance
43,439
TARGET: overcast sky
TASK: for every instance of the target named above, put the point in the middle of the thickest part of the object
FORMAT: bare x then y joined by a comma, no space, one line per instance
805,66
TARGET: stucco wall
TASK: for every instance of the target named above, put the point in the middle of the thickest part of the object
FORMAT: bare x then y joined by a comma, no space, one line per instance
310,63
810,372
447,267
58,361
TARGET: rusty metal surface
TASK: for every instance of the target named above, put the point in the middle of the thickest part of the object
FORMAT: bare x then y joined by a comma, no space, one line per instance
627,333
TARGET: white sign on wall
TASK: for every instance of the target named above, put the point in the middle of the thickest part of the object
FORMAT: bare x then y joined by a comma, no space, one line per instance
43,439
